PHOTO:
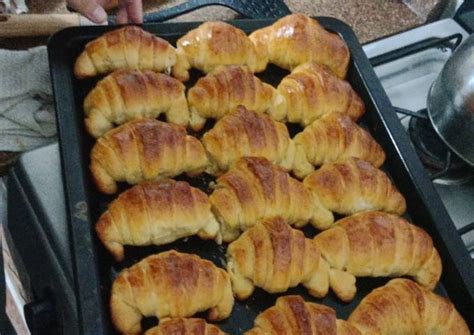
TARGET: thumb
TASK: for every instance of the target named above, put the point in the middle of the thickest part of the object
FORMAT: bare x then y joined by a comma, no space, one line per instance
90,9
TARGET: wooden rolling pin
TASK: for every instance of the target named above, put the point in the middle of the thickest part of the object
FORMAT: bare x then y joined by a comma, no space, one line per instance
28,25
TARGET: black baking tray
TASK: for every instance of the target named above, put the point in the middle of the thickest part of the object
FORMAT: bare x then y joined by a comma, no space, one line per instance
95,269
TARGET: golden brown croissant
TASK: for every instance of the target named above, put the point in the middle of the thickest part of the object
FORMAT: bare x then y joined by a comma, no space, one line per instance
144,150
219,43
353,186
311,91
332,138
291,315
170,284
183,326
254,189
129,48
296,39
246,133
377,244
226,87
156,213
275,257
127,95
404,307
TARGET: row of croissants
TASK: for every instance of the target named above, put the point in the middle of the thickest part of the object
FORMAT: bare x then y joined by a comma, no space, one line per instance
268,184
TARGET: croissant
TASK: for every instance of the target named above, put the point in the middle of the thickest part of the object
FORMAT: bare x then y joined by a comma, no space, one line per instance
226,87
377,244
291,315
156,213
169,284
408,308
296,39
311,91
332,138
219,43
247,133
184,326
254,189
353,186
144,150
129,48
130,95
275,257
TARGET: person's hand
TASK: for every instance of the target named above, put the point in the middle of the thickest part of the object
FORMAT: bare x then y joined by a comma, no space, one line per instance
129,10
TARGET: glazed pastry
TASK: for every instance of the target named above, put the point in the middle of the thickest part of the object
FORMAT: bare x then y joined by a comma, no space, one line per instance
156,213
254,189
169,284
184,326
247,133
129,47
127,95
333,138
226,87
296,39
377,244
353,186
144,150
311,92
275,257
291,315
219,43
408,308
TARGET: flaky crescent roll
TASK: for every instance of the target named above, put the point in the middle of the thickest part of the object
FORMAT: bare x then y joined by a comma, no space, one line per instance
254,189
296,39
408,308
156,213
170,284
226,87
378,244
332,138
275,257
353,186
127,95
291,315
144,150
311,91
129,48
183,326
219,43
244,133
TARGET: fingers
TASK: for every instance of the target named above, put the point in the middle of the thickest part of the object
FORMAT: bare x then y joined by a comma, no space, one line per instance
90,9
130,11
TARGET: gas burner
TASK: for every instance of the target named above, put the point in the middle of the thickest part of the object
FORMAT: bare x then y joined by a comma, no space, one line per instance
445,167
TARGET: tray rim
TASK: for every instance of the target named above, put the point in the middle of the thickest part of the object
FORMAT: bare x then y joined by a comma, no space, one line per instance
87,282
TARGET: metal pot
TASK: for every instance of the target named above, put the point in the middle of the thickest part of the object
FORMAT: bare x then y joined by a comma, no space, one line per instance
451,102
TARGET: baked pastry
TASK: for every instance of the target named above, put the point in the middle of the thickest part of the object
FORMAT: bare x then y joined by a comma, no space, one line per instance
129,47
291,315
353,186
246,133
169,284
254,189
377,244
156,213
408,308
296,39
218,43
183,326
275,257
311,91
226,87
127,95
332,138
144,150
